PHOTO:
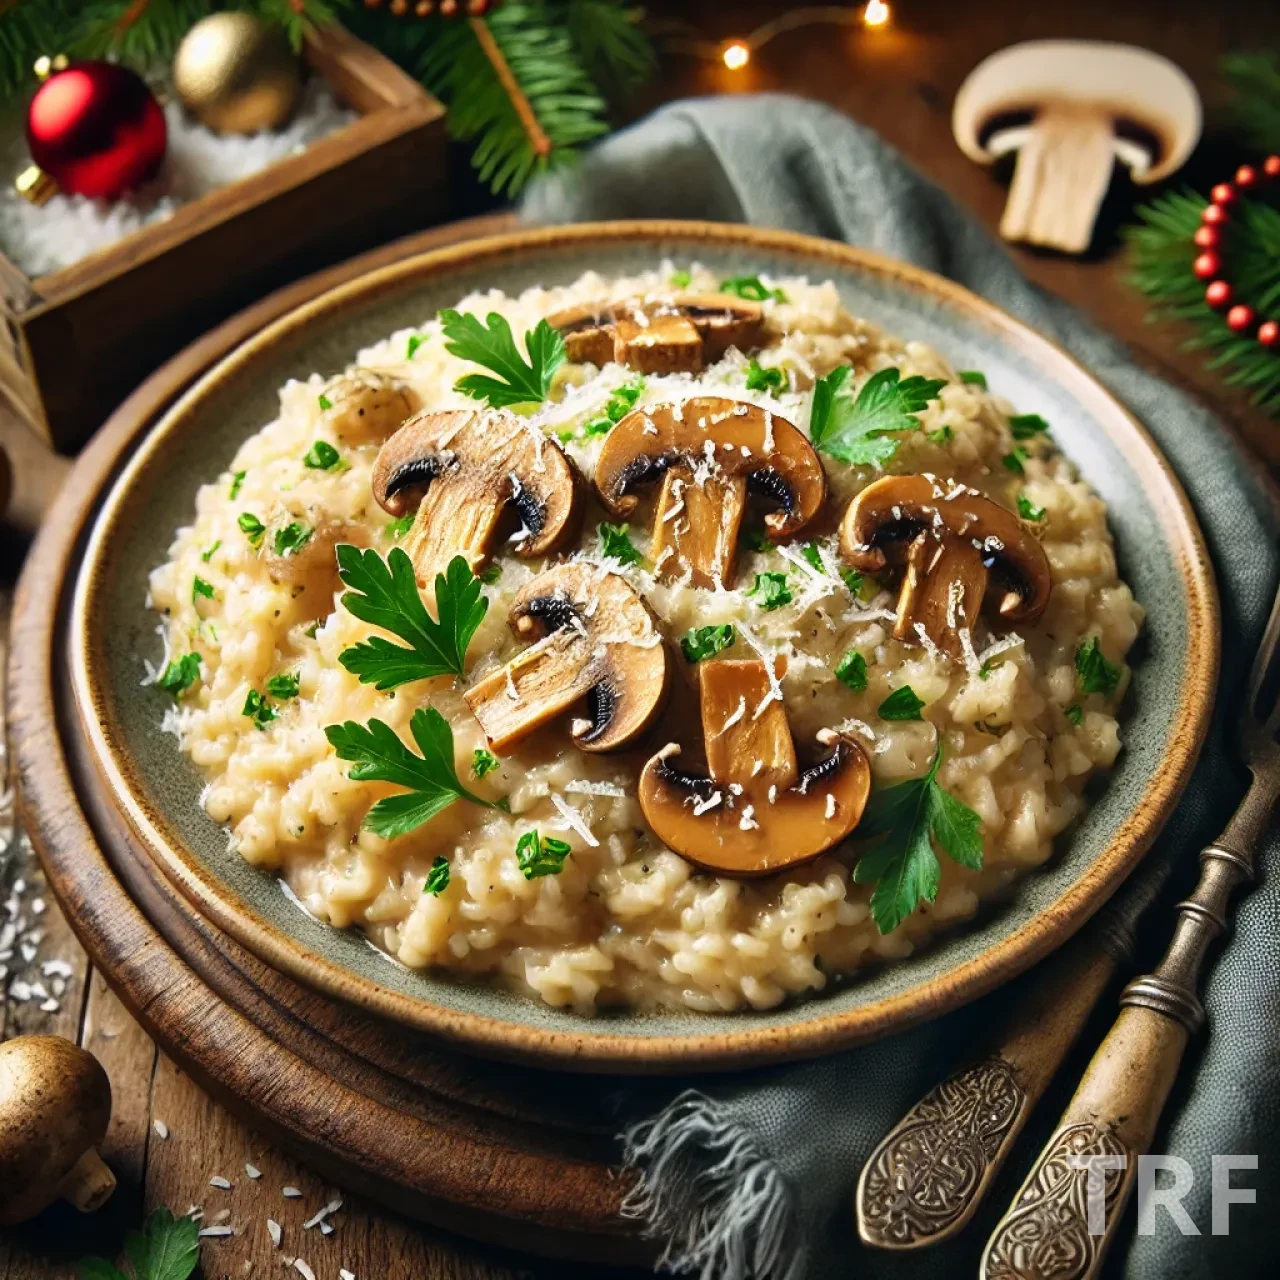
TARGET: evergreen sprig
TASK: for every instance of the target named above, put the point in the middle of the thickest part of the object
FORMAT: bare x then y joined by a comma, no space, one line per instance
1254,76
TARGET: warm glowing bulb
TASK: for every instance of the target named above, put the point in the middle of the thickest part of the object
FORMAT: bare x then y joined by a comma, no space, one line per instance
736,55
876,14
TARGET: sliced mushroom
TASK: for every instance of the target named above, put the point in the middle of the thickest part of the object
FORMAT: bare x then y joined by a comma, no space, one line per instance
307,558
597,645
709,453
367,406
462,469
755,812
661,335
956,542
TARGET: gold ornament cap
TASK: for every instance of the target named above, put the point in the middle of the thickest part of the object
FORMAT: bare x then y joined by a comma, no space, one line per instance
35,185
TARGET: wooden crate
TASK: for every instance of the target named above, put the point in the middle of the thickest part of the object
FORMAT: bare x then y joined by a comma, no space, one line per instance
77,340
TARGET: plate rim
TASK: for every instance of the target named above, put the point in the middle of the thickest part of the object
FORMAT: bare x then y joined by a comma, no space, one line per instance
731,1044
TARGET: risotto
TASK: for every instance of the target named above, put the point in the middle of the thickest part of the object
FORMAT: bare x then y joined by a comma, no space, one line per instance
799,644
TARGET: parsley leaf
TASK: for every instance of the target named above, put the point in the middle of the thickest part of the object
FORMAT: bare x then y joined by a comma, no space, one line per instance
518,381
207,554
706,642
942,435
906,820
813,555
199,587
322,456
258,709
851,670
237,479
379,756
396,529
762,379
901,704
482,762
251,527
1026,426
752,288
984,671
771,591
284,685
437,878
972,377
538,857
167,1248
1028,510
615,542
681,279
291,538
859,431
619,404
853,580
1074,713
179,676
411,349
325,403
1097,675
385,594
1014,461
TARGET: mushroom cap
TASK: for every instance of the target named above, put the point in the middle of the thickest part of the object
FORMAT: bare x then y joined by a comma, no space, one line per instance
900,507
597,640
729,437
55,1104
367,405
1131,85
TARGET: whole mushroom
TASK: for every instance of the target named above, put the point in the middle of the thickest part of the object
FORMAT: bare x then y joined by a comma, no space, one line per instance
55,1104
365,405
1071,109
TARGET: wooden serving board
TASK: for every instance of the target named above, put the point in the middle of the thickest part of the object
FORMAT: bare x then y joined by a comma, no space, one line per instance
472,1146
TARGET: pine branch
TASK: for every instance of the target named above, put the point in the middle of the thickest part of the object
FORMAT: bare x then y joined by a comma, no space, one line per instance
1255,79
611,44
28,30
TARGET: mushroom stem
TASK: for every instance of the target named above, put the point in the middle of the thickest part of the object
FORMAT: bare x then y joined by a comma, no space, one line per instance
696,526
89,1183
1062,175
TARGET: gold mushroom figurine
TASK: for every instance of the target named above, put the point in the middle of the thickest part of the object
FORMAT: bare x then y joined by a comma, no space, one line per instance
55,1104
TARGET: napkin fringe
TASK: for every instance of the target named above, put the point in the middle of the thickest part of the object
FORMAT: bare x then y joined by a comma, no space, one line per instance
707,1189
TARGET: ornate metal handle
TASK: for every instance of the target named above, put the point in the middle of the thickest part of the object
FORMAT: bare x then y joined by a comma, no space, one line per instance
927,1177
1045,1235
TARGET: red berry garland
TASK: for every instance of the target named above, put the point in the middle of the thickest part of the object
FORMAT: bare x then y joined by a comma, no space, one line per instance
1209,237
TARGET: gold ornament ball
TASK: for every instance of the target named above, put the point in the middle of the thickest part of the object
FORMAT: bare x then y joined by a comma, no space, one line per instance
235,74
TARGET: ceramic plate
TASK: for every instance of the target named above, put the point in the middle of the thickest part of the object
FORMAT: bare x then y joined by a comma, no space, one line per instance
1161,553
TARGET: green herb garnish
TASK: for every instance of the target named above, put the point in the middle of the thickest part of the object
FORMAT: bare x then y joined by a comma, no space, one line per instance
536,856
973,377
207,554
901,704
490,574
619,404
907,820
1026,426
863,431
396,529
518,381
251,527
415,341
760,541
762,379
384,593
984,671
812,554
284,685
325,403
752,288
430,779
322,456
853,580
199,587
167,1248
942,435
1097,675
1016,460
681,279
258,709
770,590
291,538
437,878
1028,510
615,542
180,675
851,670
705,642
1074,713
237,479
482,762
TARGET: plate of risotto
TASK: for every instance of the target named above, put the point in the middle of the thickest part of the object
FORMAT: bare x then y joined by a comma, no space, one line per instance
647,644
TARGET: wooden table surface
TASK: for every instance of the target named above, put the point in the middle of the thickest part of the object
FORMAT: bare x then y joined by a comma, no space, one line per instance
901,82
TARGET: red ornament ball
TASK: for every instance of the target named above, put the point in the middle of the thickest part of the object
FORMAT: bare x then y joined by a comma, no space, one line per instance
1218,294
1246,176
1240,318
1271,166
1207,237
1223,193
1214,215
96,129
1268,333
1206,266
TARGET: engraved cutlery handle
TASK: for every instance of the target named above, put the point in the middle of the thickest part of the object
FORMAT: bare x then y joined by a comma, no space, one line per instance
1046,1234
928,1175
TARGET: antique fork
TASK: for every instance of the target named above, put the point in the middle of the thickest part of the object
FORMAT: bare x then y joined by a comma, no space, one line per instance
1045,1235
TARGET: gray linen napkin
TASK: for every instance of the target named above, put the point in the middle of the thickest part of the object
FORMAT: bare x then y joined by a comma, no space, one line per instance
751,1175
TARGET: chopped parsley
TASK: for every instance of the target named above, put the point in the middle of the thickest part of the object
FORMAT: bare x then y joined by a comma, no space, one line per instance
536,856
771,591
284,685
322,456
437,878
615,543
207,554
705,642
984,671
761,379
812,554
430,779
760,541
1016,460
258,709
1028,509
752,288
901,704
1074,713
906,821
325,403
291,538
251,527
853,580
1097,675
237,479
943,435
680,279
851,671
482,762
973,378
384,593
179,676
863,431
619,404
415,341
199,587
1026,426
490,574
396,529
492,345
310,632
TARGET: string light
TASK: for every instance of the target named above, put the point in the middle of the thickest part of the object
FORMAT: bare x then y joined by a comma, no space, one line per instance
876,14
736,55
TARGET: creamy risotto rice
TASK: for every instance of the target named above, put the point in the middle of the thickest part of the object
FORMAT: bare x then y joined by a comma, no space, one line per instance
628,921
